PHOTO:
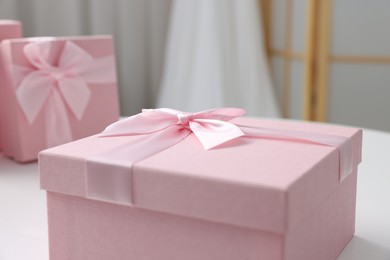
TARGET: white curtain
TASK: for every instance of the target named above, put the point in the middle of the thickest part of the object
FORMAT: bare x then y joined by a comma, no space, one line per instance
140,30
215,57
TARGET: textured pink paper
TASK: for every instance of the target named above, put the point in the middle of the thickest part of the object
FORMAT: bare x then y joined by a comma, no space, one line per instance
23,141
8,29
81,229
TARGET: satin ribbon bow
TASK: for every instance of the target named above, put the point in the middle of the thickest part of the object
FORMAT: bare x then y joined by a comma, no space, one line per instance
211,127
59,83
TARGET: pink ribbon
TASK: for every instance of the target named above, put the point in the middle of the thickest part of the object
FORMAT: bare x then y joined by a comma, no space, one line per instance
211,127
109,175
58,85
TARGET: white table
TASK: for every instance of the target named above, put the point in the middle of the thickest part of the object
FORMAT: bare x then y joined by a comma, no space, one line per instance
23,231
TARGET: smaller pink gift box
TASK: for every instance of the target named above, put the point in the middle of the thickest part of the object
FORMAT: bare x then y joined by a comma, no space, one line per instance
9,29
56,90
280,191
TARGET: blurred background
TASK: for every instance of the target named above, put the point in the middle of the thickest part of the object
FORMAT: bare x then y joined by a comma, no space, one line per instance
302,59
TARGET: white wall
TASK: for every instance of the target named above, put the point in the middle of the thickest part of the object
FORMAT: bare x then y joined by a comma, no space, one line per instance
360,92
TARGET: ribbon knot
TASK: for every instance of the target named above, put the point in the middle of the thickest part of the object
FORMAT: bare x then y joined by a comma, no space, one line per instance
184,118
59,85
57,73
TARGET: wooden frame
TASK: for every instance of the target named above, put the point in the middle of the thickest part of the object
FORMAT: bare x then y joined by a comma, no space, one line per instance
316,56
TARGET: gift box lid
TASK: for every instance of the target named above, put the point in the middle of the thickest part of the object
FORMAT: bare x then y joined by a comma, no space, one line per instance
257,183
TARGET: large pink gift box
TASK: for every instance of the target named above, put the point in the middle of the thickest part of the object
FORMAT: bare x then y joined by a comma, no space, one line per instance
56,90
247,199
8,29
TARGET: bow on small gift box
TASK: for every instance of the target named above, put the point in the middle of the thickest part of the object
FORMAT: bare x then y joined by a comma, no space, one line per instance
57,84
159,129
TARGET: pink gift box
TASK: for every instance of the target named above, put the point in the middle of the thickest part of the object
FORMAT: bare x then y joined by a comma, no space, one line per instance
248,199
56,90
8,29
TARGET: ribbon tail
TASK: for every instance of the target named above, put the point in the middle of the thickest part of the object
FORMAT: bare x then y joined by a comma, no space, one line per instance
76,94
346,162
33,92
58,129
343,144
110,174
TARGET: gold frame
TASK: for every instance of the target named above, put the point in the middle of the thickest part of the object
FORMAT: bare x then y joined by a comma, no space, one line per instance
309,58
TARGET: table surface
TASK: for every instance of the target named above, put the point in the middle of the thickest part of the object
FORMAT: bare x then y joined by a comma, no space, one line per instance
23,230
